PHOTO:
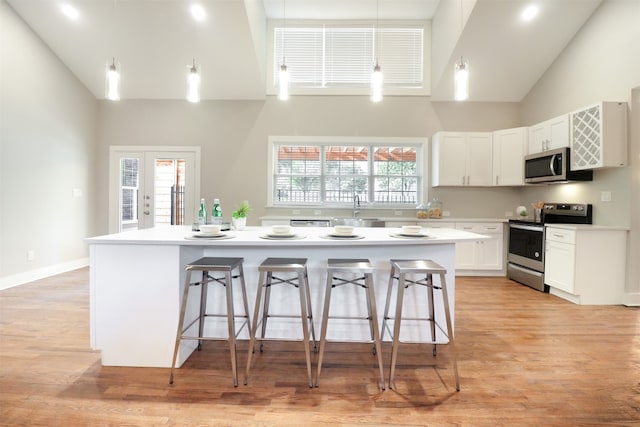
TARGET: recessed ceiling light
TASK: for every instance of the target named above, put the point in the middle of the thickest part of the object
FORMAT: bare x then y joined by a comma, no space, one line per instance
70,11
198,12
529,12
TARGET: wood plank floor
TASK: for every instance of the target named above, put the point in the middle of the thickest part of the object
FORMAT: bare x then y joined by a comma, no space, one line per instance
525,358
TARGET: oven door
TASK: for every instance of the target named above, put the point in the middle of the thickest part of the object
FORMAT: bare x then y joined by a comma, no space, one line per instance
526,245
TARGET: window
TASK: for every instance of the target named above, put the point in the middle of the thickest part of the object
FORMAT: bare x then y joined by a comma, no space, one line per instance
129,188
334,171
325,57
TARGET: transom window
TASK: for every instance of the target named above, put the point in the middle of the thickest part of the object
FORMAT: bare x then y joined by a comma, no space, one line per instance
334,173
339,56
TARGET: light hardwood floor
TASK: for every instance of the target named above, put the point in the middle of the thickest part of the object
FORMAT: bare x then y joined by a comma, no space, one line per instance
525,358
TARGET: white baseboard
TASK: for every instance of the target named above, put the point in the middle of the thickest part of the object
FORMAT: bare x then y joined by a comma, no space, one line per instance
632,299
41,273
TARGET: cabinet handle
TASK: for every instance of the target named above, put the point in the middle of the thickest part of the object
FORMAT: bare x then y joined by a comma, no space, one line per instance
560,236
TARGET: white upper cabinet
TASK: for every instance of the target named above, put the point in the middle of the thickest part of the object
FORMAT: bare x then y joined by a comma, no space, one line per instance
462,159
599,136
550,134
509,148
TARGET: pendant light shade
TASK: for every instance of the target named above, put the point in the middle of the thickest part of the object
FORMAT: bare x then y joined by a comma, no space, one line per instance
461,80
376,84
193,83
283,83
112,84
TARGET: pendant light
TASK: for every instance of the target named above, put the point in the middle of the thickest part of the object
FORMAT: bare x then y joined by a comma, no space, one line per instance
112,85
283,78
376,76
461,77
461,72
193,83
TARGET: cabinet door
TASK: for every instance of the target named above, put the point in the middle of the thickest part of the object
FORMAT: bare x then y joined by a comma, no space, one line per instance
508,156
558,132
538,135
490,255
466,255
479,158
559,266
449,154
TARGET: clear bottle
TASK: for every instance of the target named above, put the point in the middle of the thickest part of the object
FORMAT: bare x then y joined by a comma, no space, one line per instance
202,213
216,212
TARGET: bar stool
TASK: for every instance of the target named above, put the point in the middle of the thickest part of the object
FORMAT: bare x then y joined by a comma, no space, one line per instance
208,265
363,268
269,266
399,269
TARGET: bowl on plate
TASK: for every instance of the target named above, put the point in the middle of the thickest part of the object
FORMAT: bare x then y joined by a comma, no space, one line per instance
210,228
343,230
411,229
281,229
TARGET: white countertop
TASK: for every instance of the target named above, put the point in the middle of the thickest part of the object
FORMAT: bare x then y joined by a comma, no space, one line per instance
386,219
254,236
588,227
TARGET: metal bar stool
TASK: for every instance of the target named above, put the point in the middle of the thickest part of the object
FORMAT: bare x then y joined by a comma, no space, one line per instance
208,265
363,268
269,266
399,269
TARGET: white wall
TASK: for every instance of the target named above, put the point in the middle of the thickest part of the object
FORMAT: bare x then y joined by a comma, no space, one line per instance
602,63
47,135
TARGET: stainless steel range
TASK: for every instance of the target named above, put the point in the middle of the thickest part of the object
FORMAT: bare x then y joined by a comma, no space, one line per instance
525,257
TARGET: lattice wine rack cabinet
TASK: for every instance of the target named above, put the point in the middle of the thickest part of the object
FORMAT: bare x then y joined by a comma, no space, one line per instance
599,136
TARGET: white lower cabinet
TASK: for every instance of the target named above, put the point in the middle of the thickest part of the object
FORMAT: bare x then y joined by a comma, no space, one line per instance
586,265
483,256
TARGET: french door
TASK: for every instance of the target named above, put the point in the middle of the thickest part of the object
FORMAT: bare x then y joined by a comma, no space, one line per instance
152,186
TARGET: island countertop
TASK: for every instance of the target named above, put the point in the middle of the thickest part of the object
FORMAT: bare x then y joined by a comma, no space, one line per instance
137,277
308,236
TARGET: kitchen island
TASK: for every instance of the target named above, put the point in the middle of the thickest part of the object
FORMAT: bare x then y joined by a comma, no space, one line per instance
136,282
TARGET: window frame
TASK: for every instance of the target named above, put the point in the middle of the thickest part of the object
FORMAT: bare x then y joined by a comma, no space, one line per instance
421,145
424,90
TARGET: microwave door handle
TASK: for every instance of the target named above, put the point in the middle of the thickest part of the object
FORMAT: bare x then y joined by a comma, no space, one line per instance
552,165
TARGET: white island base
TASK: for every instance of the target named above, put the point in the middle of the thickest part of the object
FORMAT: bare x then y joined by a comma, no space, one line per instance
137,279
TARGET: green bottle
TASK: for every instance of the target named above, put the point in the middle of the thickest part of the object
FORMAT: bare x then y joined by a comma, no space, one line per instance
202,213
216,212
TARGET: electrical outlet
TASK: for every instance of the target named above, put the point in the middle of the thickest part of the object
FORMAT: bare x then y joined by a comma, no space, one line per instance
296,211
398,213
605,196
31,255
508,214
446,213
317,212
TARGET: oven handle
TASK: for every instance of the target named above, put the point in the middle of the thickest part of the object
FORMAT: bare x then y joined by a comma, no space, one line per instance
527,227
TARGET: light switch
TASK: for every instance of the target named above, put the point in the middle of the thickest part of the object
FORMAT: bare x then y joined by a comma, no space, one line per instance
605,196
77,192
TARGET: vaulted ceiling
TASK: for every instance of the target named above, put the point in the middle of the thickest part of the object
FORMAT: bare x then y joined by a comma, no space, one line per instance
155,40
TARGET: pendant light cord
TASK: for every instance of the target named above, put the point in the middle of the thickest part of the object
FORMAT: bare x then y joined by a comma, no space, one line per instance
284,29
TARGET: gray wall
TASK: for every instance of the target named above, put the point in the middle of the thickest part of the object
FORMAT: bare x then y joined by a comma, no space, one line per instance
602,63
47,137
233,137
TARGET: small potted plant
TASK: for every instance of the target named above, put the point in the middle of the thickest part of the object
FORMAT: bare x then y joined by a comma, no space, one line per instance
239,217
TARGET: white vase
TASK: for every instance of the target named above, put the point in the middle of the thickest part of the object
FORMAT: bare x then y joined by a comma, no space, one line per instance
239,223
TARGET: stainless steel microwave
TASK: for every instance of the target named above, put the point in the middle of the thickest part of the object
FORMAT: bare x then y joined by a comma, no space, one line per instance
553,166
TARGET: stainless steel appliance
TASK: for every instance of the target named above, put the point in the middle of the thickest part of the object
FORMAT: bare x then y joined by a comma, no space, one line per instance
553,166
525,257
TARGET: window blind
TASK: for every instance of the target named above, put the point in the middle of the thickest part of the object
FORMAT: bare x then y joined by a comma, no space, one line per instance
330,56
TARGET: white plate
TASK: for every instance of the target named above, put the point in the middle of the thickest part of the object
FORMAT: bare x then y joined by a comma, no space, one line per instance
343,235
203,234
281,235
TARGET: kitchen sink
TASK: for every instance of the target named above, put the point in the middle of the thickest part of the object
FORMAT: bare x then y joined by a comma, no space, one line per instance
358,222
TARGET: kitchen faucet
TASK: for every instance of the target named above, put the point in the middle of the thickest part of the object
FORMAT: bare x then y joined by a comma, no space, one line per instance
356,205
